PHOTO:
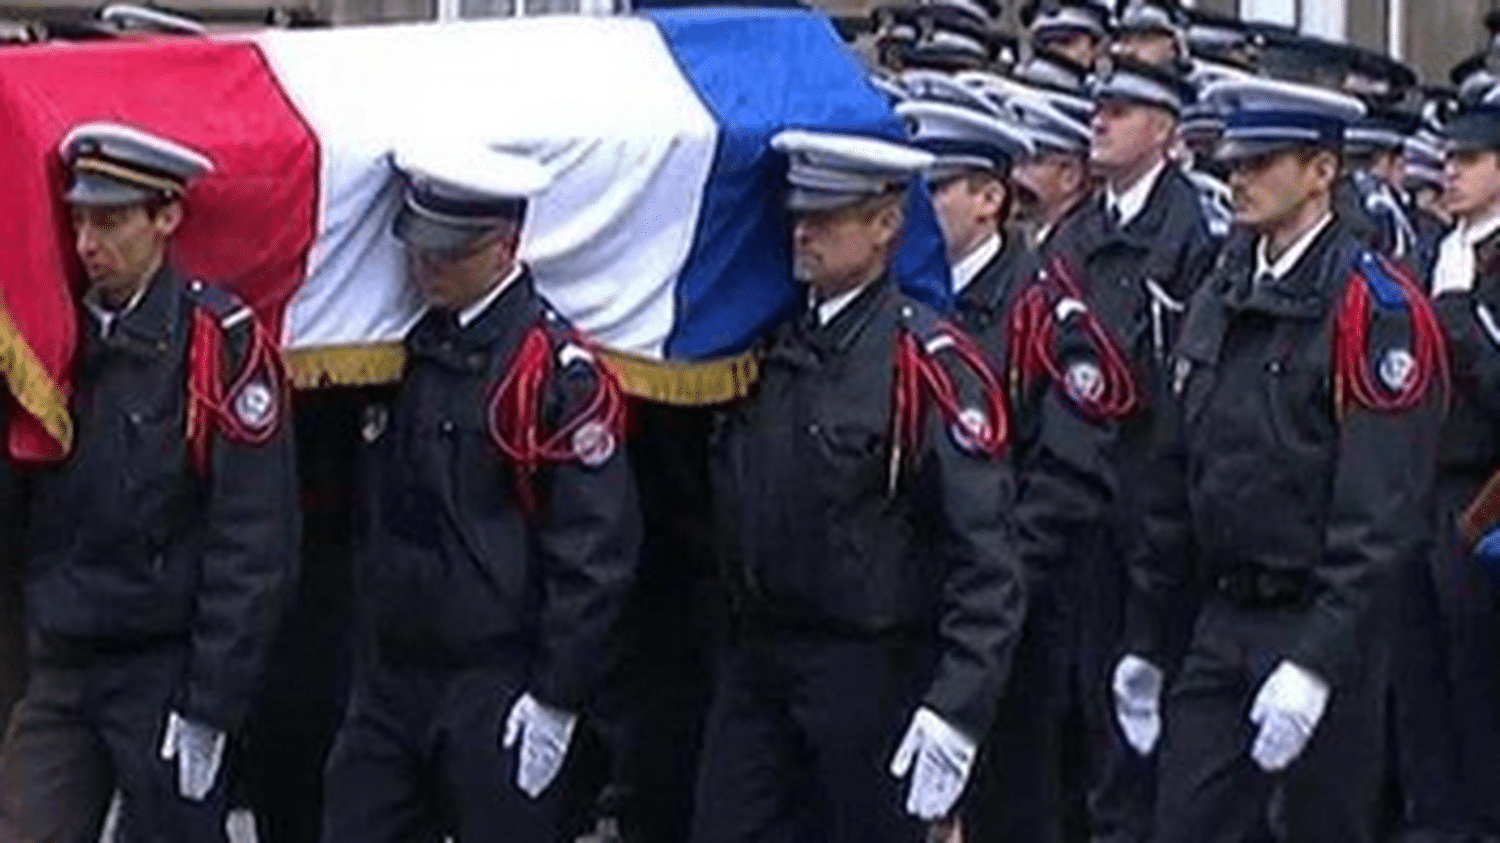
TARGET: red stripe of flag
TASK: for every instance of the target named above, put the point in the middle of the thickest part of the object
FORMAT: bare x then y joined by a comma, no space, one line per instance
248,227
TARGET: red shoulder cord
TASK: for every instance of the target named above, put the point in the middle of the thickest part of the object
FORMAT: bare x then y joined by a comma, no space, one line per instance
208,397
919,373
515,410
1033,344
1351,369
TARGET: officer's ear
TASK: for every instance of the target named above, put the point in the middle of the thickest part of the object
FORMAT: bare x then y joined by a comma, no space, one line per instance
507,243
1325,166
165,215
994,195
887,221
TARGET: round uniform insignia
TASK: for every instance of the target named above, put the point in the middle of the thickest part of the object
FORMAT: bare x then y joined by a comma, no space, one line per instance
970,428
255,406
593,443
1084,381
372,426
1397,368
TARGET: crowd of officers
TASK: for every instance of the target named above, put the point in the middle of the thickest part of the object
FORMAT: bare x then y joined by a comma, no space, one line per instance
1172,528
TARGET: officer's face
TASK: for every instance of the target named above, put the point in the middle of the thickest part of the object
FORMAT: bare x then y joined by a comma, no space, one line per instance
1389,166
836,250
1047,183
968,209
119,244
1157,48
1471,182
1077,47
455,279
1274,189
1127,135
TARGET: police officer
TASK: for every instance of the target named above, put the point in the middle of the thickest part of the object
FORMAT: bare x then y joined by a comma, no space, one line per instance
1140,245
503,533
1151,32
864,492
1291,482
1422,185
159,551
1466,291
1053,182
1373,154
1074,29
1061,411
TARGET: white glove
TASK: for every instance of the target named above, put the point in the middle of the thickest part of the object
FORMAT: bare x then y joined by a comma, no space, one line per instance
1287,710
1454,270
199,750
544,733
943,757
1137,687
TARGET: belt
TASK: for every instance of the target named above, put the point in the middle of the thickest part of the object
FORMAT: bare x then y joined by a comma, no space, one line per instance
1255,587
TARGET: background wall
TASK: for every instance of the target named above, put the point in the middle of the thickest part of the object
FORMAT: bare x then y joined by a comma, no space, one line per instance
1431,34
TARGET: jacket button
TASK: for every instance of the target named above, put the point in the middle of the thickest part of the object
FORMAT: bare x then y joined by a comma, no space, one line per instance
1274,367
813,428
446,427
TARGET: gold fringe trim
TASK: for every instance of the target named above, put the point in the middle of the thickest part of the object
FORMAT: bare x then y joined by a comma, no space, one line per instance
345,365
686,384
32,385
683,384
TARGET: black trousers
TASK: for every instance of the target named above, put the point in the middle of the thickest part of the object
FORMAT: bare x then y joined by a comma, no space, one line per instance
89,724
656,700
12,639
1016,790
1109,791
800,737
419,759
1211,791
1469,609
310,667
1423,718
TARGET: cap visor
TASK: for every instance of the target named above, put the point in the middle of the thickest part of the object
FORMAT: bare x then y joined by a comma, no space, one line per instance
1465,142
800,200
1233,151
96,191
419,232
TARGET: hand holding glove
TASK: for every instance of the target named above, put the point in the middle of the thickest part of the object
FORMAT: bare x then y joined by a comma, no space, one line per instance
939,758
199,751
544,734
1137,686
1287,710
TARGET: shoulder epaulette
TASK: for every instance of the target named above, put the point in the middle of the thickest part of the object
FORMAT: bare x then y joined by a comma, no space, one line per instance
1384,288
225,307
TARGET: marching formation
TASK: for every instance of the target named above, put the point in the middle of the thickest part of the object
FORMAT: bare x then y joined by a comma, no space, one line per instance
1179,521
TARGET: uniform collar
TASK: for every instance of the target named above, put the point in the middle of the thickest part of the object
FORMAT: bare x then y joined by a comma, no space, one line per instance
1133,199
150,315
993,286
967,269
829,309
514,308
1269,270
473,311
850,320
1477,231
1311,281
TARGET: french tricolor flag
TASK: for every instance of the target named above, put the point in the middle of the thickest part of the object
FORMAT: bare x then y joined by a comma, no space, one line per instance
663,236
